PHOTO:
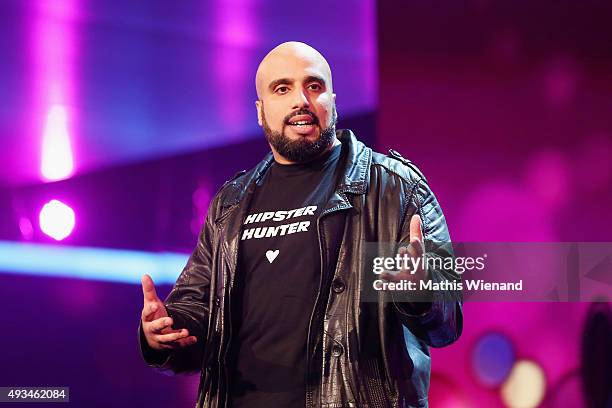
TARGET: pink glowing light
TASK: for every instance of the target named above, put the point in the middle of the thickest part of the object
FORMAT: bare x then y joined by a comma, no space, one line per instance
57,220
54,51
25,227
561,82
236,30
236,25
57,162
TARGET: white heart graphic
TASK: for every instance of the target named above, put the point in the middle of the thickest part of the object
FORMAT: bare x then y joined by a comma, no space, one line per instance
271,255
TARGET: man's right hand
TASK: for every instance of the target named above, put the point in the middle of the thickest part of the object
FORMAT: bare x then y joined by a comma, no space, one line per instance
156,324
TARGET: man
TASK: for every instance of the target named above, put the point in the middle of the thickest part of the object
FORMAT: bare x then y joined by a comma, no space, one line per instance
269,308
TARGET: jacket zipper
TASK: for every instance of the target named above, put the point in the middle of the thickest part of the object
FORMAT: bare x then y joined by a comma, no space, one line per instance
229,327
326,212
229,320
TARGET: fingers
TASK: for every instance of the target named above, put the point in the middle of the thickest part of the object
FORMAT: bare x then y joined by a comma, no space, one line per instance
189,341
389,277
178,339
160,335
148,311
159,325
148,289
411,254
152,304
171,337
415,228
415,249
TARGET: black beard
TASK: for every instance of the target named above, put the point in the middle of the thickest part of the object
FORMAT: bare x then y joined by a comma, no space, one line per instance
301,150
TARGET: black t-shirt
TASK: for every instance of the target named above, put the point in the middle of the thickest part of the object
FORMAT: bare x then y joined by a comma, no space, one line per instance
276,283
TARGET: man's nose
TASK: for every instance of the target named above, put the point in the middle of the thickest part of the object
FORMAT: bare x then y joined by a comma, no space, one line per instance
301,100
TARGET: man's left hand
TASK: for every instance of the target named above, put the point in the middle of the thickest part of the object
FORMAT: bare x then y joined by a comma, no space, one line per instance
415,249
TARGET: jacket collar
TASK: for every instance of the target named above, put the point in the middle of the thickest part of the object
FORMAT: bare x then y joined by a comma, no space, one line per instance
354,179
357,164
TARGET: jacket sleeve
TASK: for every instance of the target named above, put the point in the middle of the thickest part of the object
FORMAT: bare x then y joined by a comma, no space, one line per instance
438,319
188,305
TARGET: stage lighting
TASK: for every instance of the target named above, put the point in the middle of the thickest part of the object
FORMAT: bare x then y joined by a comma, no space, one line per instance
525,386
57,162
492,358
57,220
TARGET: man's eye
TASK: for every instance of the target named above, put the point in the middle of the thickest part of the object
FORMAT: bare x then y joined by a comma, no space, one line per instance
315,87
282,89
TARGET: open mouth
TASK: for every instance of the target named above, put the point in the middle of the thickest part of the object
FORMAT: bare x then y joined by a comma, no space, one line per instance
303,123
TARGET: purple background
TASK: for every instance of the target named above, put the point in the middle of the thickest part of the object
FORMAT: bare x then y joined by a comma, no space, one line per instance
505,106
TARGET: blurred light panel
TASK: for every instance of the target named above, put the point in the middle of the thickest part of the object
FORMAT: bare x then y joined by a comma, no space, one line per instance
26,228
492,359
57,220
525,387
57,162
54,41
90,263
129,83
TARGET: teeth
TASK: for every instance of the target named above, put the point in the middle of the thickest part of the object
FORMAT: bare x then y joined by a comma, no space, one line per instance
302,122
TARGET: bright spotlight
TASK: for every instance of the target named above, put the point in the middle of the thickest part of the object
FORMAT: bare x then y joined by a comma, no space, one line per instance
56,220
57,162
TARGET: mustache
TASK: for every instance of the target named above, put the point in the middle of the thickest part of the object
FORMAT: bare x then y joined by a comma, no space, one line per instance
302,112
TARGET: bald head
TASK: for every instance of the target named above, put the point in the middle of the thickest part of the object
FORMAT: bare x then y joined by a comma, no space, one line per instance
285,55
296,105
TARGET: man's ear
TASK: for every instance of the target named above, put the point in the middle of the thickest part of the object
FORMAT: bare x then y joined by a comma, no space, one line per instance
258,105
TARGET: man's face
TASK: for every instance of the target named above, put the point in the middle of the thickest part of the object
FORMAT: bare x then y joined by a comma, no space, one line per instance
297,106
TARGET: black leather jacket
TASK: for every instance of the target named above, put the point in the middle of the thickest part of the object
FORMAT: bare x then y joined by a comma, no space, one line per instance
360,354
